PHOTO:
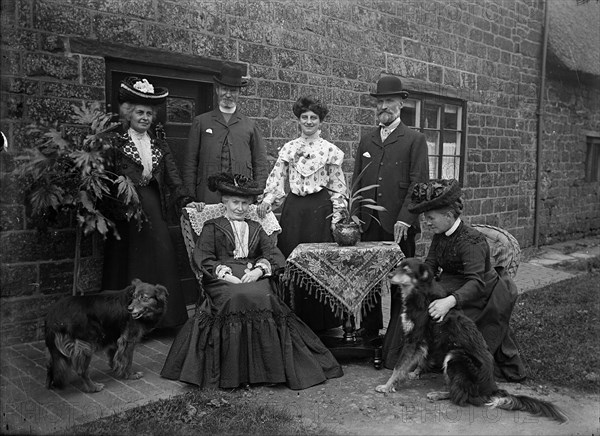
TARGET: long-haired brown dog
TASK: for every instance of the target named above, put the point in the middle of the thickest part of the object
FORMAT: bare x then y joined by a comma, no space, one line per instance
468,364
78,326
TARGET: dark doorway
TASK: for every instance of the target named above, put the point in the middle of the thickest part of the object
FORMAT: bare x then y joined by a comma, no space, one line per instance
190,94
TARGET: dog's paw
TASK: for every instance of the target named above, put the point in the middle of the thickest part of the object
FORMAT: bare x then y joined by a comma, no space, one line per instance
135,375
437,396
92,387
385,389
415,375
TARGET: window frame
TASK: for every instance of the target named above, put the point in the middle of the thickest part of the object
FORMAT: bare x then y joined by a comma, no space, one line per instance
439,101
592,158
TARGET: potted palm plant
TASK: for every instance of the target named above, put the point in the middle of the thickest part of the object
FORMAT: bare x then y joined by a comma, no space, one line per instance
65,178
346,232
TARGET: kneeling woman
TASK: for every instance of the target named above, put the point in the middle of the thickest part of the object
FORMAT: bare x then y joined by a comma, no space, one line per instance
472,284
243,333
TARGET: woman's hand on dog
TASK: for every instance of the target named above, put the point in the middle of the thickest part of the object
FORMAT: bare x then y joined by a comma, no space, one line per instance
438,309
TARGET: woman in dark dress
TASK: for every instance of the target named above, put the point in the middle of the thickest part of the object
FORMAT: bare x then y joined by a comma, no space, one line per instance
312,167
243,333
473,285
145,252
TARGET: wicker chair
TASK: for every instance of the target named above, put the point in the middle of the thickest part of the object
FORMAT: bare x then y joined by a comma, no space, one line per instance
505,251
193,221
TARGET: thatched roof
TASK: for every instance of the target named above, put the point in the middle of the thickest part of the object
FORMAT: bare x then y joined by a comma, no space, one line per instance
574,35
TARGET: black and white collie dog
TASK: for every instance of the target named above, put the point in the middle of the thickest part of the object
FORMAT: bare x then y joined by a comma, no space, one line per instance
468,364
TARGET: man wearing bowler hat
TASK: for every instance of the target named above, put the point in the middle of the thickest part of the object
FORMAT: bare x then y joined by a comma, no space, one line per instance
224,141
395,158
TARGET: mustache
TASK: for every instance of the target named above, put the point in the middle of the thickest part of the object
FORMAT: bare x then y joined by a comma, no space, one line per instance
384,111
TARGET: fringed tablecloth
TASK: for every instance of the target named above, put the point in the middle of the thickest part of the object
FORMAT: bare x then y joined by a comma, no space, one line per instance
345,278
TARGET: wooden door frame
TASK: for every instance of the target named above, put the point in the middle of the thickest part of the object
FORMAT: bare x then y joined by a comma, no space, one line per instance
170,64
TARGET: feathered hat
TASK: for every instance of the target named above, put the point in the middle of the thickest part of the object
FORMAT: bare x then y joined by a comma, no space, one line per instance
434,194
234,184
140,91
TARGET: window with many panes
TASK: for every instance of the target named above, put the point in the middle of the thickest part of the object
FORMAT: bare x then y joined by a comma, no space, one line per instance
442,120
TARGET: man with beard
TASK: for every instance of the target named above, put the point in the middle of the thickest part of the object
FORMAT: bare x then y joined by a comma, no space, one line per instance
224,141
394,157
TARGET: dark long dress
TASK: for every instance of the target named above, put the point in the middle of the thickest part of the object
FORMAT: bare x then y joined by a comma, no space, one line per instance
304,220
147,253
483,295
243,333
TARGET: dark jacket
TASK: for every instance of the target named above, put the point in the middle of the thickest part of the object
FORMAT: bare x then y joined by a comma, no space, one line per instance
123,160
216,244
202,156
396,165
468,274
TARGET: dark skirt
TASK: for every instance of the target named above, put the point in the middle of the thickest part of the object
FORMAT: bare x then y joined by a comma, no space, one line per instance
147,254
492,320
244,333
304,220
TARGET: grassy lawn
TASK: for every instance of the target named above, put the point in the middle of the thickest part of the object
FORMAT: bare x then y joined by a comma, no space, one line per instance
208,412
557,328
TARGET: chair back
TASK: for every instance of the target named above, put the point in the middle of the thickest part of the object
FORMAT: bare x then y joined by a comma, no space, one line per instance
193,221
505,251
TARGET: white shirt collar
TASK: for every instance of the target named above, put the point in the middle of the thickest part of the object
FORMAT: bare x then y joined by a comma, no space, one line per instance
453,228
227,110
392,125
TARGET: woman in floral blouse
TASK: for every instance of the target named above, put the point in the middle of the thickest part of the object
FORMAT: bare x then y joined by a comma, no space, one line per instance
313,168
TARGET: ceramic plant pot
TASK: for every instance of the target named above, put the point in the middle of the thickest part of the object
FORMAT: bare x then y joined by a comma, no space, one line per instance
346,234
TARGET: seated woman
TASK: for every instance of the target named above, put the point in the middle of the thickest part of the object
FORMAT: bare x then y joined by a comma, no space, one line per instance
243,333
462,254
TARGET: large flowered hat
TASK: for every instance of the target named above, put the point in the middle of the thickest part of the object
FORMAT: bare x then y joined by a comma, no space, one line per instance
434,194
234,184
138,90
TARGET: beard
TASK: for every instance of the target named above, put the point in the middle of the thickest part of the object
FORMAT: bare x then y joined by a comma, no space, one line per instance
386,117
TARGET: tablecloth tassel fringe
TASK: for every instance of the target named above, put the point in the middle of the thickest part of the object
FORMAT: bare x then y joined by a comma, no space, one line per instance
321,295
369,302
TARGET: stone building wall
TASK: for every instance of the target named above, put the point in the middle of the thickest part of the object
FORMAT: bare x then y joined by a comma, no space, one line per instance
484,52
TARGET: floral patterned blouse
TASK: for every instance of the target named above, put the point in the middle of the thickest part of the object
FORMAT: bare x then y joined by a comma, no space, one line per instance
308,164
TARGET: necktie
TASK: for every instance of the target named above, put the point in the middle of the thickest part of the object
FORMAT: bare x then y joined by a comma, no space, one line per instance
385,132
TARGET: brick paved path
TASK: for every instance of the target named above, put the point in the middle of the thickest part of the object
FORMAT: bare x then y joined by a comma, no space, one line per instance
28,407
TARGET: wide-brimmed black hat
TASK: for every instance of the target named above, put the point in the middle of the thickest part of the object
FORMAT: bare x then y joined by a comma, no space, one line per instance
434,194
231,75
389,85
234,184
139,90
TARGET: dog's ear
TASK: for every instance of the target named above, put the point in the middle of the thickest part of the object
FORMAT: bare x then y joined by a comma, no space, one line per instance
136,282
161,293
425,272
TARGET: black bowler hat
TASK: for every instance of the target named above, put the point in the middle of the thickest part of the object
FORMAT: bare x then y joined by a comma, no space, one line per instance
231,75
389,85
139,90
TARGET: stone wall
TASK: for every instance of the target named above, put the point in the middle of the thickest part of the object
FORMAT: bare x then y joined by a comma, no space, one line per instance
487,53
570,205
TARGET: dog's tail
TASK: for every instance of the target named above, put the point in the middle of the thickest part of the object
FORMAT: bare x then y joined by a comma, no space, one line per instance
504,400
